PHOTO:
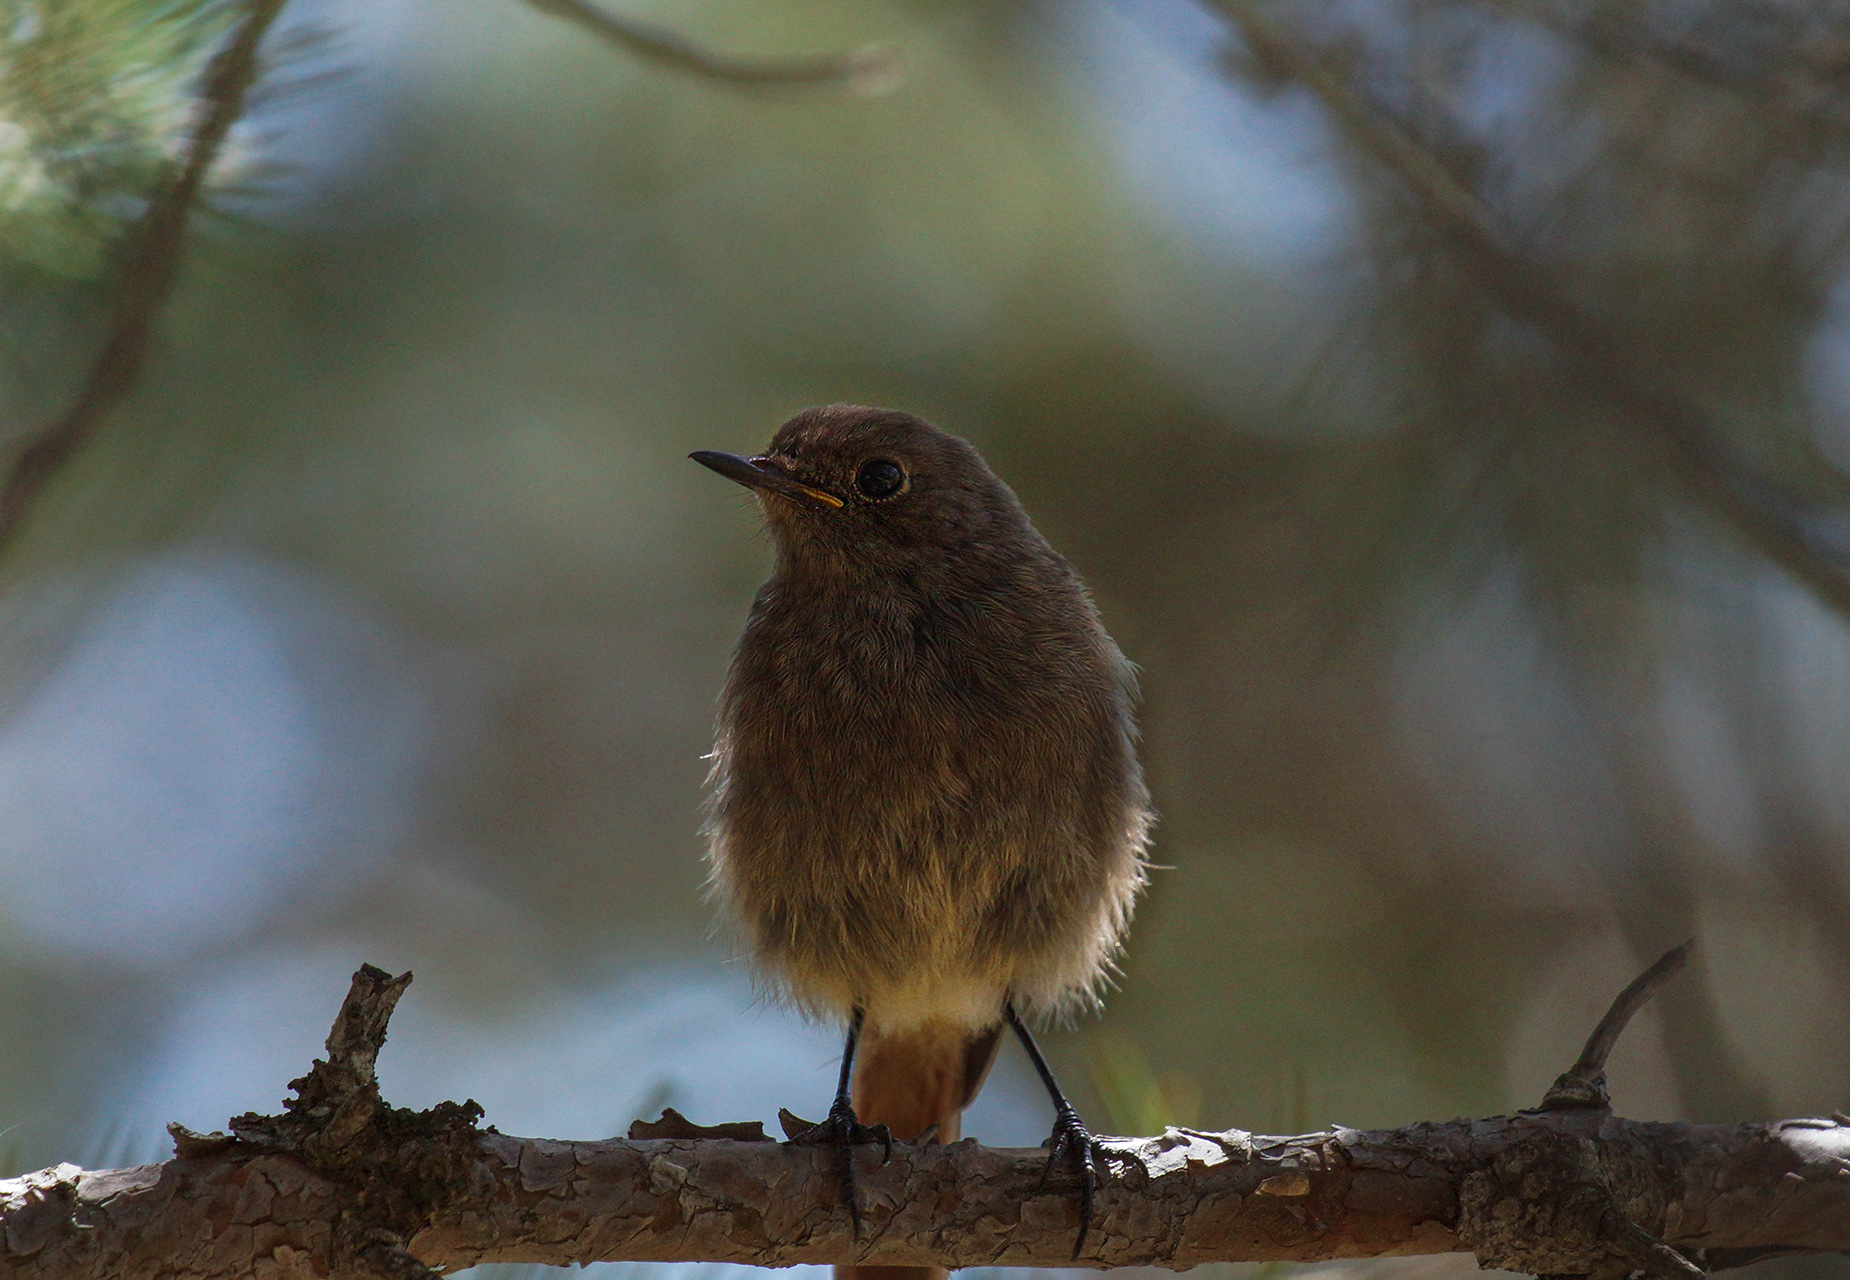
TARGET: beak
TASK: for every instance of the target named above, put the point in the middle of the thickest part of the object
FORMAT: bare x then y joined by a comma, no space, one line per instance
762,473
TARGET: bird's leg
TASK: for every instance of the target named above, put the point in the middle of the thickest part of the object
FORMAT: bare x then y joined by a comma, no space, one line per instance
1073,1145
843,1129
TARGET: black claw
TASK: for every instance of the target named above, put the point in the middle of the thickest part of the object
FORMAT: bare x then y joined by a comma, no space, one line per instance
1073,1147
843,1131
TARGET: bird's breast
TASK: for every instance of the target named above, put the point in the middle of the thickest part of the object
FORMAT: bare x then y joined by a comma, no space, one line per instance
903,718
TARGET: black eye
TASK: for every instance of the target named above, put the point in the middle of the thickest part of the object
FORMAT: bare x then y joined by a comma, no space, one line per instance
879,478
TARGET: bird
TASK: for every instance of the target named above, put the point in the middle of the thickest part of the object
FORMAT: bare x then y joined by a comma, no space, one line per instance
926,813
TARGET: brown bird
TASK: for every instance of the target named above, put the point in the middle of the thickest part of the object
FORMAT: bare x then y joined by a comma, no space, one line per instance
927,813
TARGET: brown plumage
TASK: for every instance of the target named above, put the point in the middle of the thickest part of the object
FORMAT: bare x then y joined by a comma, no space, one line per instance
926,801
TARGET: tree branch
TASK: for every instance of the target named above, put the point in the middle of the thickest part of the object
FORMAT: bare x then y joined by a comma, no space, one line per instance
1696,452
874,69
1584,1083
148,274
343,1185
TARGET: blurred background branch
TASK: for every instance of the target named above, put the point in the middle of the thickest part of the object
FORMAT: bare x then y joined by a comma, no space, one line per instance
1767,516
150,266
873,69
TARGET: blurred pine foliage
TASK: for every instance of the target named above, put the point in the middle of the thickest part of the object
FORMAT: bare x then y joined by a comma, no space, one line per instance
94,99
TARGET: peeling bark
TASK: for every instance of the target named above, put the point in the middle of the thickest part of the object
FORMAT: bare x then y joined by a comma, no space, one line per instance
1724,1194
343,1185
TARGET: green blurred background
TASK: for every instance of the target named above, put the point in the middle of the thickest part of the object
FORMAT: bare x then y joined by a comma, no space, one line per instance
385,623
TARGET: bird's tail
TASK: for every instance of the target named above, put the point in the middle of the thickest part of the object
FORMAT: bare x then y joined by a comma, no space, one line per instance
911,1080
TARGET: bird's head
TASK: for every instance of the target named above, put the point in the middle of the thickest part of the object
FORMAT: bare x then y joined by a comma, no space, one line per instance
874,490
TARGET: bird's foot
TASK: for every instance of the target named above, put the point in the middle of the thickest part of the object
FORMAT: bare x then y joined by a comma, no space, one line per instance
1073,1147
843,1131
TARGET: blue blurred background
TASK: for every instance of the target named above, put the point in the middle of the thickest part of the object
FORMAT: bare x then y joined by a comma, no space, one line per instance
385,623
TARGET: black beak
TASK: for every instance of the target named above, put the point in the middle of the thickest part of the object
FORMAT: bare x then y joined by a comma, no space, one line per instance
762,473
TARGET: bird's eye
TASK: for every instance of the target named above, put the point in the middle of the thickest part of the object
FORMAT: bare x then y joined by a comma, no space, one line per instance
879,478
